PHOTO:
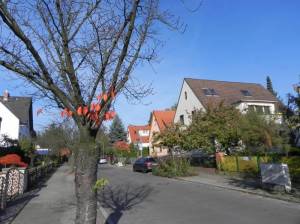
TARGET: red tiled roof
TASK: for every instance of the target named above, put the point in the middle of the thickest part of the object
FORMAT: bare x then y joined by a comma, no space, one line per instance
164,118
133,132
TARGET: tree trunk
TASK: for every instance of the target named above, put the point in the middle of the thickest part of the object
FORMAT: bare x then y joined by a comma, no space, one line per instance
86,161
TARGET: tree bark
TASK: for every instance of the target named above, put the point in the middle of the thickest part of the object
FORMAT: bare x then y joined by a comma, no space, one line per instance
86,157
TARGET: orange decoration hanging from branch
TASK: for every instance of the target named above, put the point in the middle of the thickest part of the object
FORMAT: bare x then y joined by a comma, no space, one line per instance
79,111
85,110
104,97
69,114
92,107
109,115
97,107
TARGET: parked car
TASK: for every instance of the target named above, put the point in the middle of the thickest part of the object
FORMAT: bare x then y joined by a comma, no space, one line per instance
144,164
199,157
102,161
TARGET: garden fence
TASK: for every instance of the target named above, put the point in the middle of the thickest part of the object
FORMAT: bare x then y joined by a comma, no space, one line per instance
250,164
14,182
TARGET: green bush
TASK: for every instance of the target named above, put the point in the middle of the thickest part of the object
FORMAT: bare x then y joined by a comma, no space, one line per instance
177,167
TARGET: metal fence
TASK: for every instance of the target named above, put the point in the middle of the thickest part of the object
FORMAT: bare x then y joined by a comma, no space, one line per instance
16,181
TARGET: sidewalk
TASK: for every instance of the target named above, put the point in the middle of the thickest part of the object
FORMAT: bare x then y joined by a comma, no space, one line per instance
249,185
53,204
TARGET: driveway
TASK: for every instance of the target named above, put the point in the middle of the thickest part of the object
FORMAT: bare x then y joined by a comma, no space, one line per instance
134,198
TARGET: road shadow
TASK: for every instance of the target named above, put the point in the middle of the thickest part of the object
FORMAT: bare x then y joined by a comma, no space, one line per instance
245,183
122,198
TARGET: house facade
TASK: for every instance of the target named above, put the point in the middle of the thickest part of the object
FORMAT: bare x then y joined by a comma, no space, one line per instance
159,120
198,94
16,120
138,135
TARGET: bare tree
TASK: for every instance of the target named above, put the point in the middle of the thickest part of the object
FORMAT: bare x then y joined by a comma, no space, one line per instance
80,54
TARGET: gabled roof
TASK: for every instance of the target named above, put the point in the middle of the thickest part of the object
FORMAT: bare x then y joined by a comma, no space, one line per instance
19,106
164,118
228,92
134,136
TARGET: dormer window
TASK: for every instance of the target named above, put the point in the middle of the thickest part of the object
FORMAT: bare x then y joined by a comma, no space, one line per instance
210,92
246,92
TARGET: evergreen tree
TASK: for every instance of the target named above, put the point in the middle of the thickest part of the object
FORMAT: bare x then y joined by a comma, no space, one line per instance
117,131
270,86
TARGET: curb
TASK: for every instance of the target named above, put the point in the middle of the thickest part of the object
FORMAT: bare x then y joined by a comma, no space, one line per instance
104,215
243,191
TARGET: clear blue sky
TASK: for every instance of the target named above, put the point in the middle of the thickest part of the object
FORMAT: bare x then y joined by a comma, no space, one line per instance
225,40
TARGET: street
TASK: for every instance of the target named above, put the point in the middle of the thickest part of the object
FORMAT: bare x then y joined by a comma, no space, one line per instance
134,198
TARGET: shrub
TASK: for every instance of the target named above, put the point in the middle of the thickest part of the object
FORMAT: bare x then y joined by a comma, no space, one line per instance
173,167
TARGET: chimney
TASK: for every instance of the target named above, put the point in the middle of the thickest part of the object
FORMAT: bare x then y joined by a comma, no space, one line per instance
5,95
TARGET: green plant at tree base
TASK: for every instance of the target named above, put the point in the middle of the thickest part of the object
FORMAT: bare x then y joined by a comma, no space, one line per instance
100,184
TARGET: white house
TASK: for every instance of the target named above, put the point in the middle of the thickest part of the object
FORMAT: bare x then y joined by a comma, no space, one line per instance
16,116
198,94
138,134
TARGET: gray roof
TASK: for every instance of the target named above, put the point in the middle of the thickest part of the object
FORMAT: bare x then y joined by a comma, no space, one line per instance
229,93
21,107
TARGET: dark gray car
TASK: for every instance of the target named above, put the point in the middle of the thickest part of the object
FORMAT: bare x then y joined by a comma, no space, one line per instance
144,164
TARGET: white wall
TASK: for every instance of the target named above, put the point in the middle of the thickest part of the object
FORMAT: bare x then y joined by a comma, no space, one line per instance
186,106
9,124
144,133
145,145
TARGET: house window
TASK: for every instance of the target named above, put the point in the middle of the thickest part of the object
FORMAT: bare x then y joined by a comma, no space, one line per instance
181,119
259,109
193,113
267,110
210,92
0,122
246,92
185,95
251,108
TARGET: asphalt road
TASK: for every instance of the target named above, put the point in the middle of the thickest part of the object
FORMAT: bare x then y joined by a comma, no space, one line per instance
137,198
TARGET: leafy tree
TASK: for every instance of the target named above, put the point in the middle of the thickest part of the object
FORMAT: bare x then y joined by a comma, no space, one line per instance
270,86
215,127
80,55
222,128
117,131
259,134
58,136
292,115
28,147
172,136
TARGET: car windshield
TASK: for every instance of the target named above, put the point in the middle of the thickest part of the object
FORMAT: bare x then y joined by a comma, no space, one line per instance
141,160
151,160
